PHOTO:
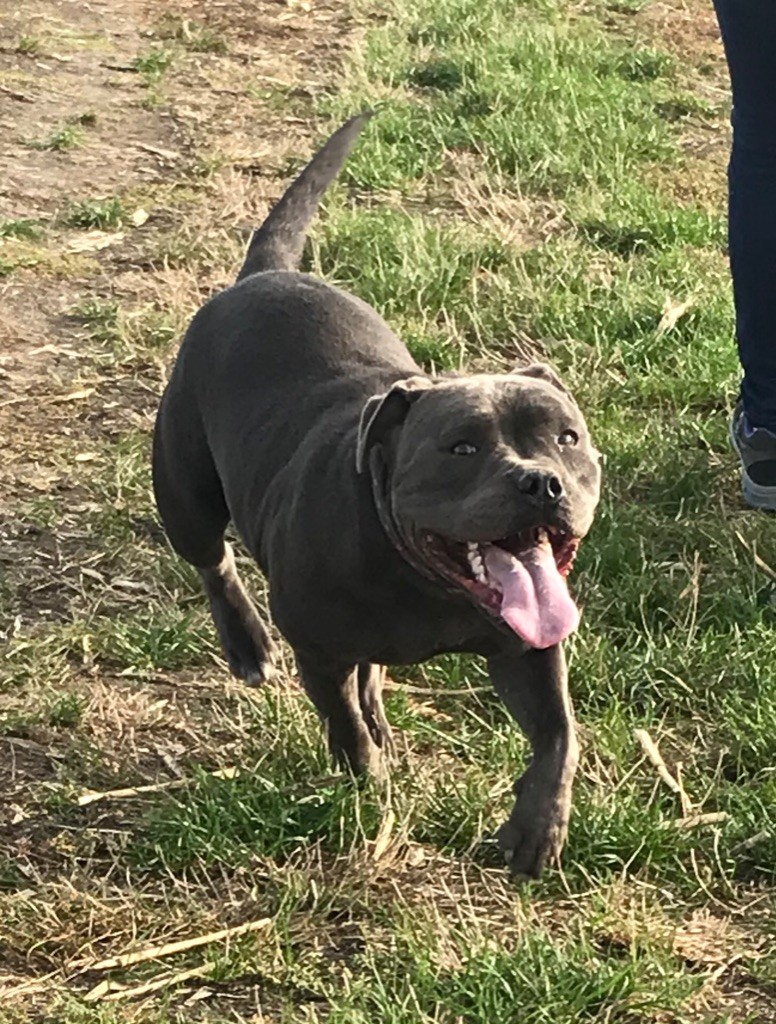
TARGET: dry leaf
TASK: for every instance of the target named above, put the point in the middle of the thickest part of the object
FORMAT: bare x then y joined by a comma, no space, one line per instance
427,710
673,313
384,835
42,481
415,856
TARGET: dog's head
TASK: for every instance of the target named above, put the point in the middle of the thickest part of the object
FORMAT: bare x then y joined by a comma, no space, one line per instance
490,482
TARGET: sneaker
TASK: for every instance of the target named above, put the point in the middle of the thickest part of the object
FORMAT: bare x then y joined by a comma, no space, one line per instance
756,448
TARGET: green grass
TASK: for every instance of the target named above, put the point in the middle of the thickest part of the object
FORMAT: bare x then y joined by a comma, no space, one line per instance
63,139
153,65
549,102
63,712
148,328
103,213
70,135
30,46
453,977
23,227
275,809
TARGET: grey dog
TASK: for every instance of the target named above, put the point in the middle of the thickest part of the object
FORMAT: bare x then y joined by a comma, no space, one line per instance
394,515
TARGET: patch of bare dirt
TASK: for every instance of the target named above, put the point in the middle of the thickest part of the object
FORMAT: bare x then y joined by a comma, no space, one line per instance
688,29
75,65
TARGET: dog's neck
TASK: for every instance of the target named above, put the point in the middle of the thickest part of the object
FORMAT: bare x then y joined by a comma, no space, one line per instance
381,495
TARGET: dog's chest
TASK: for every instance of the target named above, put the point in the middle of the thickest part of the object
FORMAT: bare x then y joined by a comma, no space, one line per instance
381,624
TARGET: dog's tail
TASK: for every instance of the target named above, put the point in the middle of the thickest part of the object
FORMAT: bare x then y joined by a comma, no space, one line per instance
279,242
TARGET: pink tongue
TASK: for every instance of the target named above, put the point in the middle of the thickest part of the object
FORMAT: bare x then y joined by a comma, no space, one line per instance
535,601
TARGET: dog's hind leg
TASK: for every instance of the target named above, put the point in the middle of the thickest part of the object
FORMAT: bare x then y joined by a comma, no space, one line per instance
371,679
193,509
336,693
244,637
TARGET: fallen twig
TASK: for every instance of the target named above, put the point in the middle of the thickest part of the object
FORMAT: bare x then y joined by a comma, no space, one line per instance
119,67
696,820
384,835
649,747
28,988
140,956
759,562
439,691
747,844
166,154
110,992
91,797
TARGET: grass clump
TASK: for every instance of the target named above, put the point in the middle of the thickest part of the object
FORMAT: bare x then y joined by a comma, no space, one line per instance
153,65
29,46
67,137
23,227
102,214
458,975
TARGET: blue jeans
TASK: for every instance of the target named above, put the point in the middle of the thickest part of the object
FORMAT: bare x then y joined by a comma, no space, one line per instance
749,35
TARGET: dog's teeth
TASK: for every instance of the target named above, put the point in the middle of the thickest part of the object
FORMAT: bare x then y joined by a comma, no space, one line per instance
476,563
478,569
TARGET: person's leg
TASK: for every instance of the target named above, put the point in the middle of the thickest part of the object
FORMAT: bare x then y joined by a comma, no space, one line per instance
749,35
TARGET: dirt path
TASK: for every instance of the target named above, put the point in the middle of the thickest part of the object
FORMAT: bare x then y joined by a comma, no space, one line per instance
168,114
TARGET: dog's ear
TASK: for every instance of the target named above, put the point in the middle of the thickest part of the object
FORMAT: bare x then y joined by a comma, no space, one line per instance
384,412
544,372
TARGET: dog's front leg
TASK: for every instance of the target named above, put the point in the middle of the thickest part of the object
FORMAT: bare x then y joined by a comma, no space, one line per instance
534,687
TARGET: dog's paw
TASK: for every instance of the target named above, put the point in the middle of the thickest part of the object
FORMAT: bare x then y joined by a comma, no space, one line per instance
249,650
533,837
259,675
362,758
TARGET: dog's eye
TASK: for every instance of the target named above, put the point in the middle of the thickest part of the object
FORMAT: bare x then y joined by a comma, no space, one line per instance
568,437
464,448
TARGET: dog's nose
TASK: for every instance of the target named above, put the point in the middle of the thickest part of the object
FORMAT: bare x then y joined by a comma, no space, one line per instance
553,487
540,485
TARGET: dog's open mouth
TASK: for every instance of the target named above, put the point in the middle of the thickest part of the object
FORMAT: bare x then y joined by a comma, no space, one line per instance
521,579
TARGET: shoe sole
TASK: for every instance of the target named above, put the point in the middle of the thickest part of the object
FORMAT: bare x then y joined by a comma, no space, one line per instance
754,495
